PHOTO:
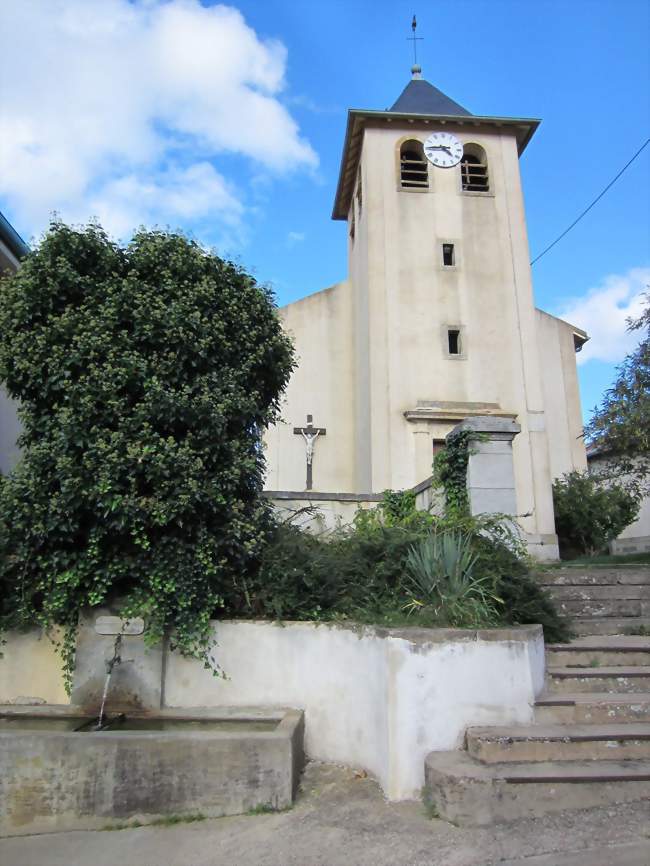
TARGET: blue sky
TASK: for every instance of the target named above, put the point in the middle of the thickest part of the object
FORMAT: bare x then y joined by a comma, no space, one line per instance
228,121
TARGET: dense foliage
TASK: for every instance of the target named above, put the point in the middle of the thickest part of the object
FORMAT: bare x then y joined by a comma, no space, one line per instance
590,512
620,426
450,472
145,376
441,577
365,573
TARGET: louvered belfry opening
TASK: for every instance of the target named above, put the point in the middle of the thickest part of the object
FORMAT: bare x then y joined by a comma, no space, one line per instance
474,172
414,171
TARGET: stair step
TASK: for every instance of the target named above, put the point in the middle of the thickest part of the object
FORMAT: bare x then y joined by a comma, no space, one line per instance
610,679
609,592
627,854
605,651
494,745
468,792
603,607
595,576
632,625
592,709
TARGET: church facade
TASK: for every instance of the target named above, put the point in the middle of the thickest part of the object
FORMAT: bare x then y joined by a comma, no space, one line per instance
436,322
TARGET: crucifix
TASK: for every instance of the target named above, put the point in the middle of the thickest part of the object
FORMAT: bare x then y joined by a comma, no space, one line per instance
309,434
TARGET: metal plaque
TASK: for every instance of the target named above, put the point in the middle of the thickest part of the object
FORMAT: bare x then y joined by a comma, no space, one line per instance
115,625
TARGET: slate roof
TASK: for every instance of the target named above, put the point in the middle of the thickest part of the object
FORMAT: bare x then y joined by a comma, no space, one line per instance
419,105
420,97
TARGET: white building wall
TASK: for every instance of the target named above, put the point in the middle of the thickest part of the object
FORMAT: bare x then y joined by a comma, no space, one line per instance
556,347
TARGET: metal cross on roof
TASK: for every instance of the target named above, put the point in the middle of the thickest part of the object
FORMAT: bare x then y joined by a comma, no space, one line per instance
414,39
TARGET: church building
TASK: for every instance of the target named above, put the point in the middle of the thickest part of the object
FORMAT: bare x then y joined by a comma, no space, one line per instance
436,322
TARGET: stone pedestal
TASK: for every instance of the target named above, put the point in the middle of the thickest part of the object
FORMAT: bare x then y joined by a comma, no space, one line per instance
136,681
491,476
490,470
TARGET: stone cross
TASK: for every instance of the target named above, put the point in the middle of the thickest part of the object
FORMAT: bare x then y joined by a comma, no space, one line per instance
309,434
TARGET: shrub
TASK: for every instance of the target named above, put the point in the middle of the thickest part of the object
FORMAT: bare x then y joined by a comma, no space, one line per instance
589,513
145,375
441,577
479,575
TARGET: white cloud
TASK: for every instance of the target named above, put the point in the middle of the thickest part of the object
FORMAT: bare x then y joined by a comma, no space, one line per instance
294,238
603,311
115,109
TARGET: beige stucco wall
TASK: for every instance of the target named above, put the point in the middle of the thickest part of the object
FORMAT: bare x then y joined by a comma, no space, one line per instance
322,385
30,668
555,341
635,538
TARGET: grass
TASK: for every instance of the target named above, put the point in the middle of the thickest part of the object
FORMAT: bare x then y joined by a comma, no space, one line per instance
431,810
173,820
604,559
639,631
166,821
267,809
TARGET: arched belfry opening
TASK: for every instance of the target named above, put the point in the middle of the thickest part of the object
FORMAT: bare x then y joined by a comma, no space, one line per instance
413,166
474,169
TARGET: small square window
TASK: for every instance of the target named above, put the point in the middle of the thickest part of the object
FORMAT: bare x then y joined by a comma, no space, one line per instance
448,258
453,341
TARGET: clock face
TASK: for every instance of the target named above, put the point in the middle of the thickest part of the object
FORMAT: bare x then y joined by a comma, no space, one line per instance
443,149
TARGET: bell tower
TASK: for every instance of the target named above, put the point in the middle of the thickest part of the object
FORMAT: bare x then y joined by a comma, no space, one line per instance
442,299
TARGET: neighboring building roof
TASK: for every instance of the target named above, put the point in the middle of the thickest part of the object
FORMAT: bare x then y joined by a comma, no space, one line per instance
10,238
420,103
420,97
580,337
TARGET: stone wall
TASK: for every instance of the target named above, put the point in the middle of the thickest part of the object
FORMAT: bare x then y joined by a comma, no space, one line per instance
322,512
379,699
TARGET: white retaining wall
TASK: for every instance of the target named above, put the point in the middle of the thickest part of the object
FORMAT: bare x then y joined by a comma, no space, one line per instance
379,699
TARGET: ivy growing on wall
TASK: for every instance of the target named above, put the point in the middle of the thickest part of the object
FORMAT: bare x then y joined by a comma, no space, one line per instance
145,376
450,472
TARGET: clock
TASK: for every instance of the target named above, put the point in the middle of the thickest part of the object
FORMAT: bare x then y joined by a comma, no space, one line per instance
443,149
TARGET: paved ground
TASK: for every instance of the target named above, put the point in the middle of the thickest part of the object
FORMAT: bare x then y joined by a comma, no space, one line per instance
343,820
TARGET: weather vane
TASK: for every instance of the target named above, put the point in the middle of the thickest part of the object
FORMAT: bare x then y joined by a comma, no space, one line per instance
414,39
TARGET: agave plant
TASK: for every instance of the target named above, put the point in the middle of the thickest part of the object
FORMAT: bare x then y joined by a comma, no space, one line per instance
440,577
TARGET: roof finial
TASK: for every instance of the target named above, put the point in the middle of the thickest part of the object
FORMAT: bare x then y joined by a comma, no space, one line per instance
416,70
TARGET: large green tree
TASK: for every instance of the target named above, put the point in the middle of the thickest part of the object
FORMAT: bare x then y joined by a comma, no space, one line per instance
620,426
145,376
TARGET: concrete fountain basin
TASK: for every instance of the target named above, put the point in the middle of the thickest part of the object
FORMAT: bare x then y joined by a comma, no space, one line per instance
210,762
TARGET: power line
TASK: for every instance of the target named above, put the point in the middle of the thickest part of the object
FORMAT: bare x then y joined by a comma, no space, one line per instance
597,199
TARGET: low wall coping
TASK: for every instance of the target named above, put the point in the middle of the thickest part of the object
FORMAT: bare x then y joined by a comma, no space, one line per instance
316,495
422,636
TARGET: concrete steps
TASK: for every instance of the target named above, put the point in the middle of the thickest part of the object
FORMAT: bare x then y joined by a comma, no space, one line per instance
469,792
605,651
592,708
589,744
631,625
601,600
615,679
595,575
560,742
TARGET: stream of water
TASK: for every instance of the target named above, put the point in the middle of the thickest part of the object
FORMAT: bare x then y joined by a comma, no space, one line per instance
104,695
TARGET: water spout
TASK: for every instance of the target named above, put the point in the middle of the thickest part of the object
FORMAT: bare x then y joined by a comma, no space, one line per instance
110,664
